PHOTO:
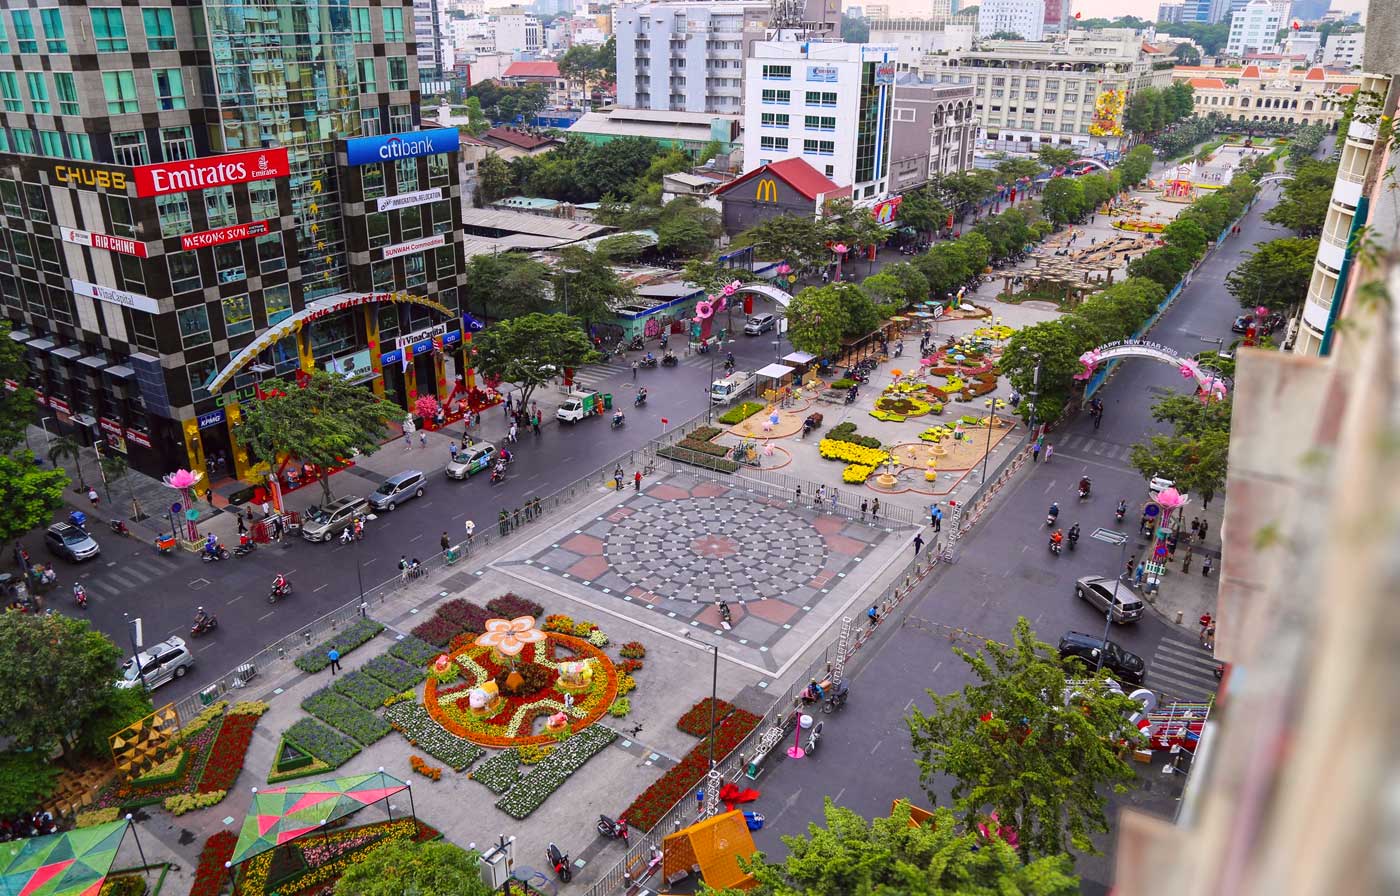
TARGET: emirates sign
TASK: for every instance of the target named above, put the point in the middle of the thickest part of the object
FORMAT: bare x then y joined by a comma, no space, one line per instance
218,235
213,171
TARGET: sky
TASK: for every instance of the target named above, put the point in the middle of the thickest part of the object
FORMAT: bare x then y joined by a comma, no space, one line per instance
1146,9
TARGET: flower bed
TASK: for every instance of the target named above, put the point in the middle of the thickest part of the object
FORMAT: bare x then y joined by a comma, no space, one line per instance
705,433
846,432
436,631
849,452
510,605
681,779
633,650
698,459
130,795
395,674
902,405
696,721
210,875
468,616
344,714
705,447
550,774
499,773
413,722
431,772
740,412
315,862
414,651
367,691
325,744
314,660
226,757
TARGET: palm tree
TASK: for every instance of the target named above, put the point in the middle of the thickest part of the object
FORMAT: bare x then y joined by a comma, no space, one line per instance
68,447
114,467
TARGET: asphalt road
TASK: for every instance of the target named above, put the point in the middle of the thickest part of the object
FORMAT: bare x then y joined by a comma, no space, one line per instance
130,578
1004,571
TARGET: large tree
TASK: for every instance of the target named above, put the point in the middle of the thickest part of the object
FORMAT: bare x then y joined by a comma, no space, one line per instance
923,211
1054,346
1136,165
817,320
477,124
532,349
434,868
1023,742
1303,208
325,422
1275,275
1062,201
1055,156
55,672
587,286
890,856
1196,464
796,239
506,284
29,493
16,407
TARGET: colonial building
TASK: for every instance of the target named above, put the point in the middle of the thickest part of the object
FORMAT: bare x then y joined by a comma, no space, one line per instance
1253,93
933,132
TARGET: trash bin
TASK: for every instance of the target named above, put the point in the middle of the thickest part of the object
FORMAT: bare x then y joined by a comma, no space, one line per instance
607,401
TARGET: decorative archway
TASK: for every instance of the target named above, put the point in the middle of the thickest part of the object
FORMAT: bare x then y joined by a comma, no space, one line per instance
1274,178
1209,384
765,289
1088,161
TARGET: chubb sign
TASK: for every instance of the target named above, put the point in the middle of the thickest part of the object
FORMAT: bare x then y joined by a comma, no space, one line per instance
390,147
213,171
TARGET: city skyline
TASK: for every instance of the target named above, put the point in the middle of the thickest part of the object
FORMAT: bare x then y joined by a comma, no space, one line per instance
1146,9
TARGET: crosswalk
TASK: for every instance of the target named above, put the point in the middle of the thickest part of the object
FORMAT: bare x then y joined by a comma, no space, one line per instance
1182,670
596,375
1087,445
106,577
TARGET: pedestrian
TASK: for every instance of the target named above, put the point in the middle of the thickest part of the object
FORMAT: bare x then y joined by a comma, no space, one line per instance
1035,452
1205,526
515,519
797,495
242,526
637,480
535,409
535,422
1171,545
1195,526
617,478
937,518
510,437
1138,573
1208,637
277,528
408,440
467,441
918,543
835,499
1128,567
864,506
470,526
445,542
403,568
1206,496
334,656
1049,452
821,496
1205,566
1206,622
873,614
634,371
422,438
503,521
92,496
452,450
266,510
875,509
1186,561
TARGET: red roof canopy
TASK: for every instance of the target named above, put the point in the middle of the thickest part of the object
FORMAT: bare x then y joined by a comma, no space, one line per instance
796,173
532,70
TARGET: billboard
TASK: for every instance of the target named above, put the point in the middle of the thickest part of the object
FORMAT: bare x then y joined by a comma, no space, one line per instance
412,246
884,73
826,74
389,147
220,235
211,171
111,243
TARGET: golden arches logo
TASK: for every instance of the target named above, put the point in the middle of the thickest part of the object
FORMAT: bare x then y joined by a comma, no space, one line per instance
767,190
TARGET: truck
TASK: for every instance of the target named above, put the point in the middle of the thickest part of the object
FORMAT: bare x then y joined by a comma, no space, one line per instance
578,405
726,390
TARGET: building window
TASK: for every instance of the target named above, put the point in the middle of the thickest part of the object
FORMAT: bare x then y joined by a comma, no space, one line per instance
359,25
9,89
170,89
372,181
400,119
821,98
277,302
777,97
120,88
51,144
393,25
411,223
439,169
184,272
378,225
398,73
369,121
109,29
366,76
200,372
177,143
133,275
228,263
38,92
774,120
9,199
382,274
270,255
174,212
777,73
441,213
828,122
444,263
262,198
4,38
52,21
194,325
48,255
23,139
80,147
129,148
119,211
219,207
775,144
415,269
406,174
819,147
238,316
67,91
34,198
160,29
24,250
25,41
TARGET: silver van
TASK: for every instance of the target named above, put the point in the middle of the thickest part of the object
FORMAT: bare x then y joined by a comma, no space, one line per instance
325,523
397,489
159,663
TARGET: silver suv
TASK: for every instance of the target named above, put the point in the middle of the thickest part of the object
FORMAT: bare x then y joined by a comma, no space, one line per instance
397,489
325,523
159,663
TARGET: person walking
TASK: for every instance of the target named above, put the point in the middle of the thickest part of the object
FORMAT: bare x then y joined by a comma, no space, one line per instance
1035,452
535,422
445,543
617,478
821,496
634,371
1049,452
937,518
277,528
1138,572
637,480
334,656
422,438
266,510
403,569
511,436
1205,526
1205,567
242,526
864,506
875,509
1186,561
797,494
452,450
1195,526
918,543
1206,622
470,526
407,440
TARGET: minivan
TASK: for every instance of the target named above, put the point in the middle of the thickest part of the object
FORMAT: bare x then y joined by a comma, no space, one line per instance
476,458
397,489
1123,665
159,663
325,523
1099,591
759,324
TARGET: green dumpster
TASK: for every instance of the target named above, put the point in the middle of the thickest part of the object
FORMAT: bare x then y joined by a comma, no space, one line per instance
607,401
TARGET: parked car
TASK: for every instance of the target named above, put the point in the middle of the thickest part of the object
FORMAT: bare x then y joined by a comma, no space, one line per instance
1265,327
1099,592
1157,485
71,543
478,457
759,324
397,489
325,523
159,663
1123,665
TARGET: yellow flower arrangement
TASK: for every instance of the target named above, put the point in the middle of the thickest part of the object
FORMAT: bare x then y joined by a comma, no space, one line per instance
832,449
856,473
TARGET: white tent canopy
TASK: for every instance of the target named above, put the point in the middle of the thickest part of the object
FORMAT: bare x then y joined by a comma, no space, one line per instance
775,371
799,358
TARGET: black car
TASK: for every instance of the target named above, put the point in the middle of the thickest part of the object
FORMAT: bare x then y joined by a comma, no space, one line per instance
71,543
1265,327
1121,664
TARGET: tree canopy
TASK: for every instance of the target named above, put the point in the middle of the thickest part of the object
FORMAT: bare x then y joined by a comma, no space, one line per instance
854,30
891,857
1055,156
434,868
1303,208
587,285
506,284
1136,165
531,349
1275,275
29,493
326,422
1062,201
817,319
1021,742
16,408
799,240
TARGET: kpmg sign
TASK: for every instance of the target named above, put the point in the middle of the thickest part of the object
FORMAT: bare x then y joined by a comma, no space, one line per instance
389,147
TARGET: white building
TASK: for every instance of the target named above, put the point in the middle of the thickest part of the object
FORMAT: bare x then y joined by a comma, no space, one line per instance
428,22
1255,27
1023,17
826,103
1343,50
1305,43
517,32
685,57
916,38
472,36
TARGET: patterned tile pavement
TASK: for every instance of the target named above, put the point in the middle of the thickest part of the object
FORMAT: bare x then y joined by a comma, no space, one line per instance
680,546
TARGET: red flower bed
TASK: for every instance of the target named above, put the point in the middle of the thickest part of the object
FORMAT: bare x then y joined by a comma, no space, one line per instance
436,631
209,875
512,605
696,720
681,780
226,759
467,615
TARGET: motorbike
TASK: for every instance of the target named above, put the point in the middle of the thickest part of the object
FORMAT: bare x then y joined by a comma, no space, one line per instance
1122,509
635,345
560,861
1051,517
613,830
80,597
119,527
669,360
837,699
204,626
218,553
244,549
640,400
1084,489
1055,547
347,535
813,737
279,591
618,420
497,475
1073,540
648,363
851,396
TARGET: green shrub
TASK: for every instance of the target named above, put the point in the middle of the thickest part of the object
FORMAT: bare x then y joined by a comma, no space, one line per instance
314,660
364,689
844,383
741,412
326,744
395,673
846,432
96,817
346,715
706,447
499,773
414,651
181,803
620,707
687,456
126,885
705,433
26,780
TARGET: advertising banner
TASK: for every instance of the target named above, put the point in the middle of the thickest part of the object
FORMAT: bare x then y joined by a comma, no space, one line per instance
116,296
389,147
211,171
412,246
353,365
103,241
407,200
822,73
884,73
219,235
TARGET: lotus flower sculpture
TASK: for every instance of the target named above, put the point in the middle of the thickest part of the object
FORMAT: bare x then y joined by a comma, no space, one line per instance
182,480
703,311
1170,499
1090,360
509,636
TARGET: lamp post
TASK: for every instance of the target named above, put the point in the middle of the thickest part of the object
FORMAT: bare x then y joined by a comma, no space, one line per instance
1113,601
991,404
709,404
714,693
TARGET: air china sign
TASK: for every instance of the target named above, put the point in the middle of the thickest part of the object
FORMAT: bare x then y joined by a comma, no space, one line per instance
213,171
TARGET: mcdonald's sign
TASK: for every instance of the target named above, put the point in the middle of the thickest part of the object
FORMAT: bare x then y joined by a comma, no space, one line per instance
767,190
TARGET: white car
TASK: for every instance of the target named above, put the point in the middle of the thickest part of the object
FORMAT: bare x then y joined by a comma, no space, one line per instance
160,663
1158,485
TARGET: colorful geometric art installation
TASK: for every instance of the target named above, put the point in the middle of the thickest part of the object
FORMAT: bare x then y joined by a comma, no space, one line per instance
74,863
145,742
282,814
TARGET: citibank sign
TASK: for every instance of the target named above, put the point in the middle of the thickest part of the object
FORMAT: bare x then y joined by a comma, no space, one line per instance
213,171
390,147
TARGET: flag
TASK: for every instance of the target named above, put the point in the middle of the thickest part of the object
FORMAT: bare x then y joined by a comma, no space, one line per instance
664,421
406,357
1296,26
1079,15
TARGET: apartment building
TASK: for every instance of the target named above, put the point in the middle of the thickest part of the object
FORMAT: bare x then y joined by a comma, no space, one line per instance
1023,17
915,38
1344,50
1255,27
933,130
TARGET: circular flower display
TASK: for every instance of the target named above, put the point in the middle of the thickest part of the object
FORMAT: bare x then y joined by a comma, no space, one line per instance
510,636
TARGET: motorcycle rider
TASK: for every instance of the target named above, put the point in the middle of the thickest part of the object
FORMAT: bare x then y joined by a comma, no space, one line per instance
499,471
724,611
1122,508
279,584
211,545
201,618
1084,486
1073,535
618,418
79,594
1056,539
1054,512
642,395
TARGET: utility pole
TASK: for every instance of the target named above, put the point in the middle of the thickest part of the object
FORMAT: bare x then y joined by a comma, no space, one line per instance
1035,393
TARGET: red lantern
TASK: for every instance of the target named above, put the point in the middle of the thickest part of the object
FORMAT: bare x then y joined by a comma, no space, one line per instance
748,303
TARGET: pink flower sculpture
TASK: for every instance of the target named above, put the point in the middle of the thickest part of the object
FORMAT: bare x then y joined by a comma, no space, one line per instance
703,311
1090,360
784,268
182,479
1261,311
510,636
1171,499
732,287
840,248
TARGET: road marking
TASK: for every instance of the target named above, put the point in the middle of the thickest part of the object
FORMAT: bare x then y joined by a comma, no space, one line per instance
268,616
837,798
909,704
323,587
1050,486
236,599
877,745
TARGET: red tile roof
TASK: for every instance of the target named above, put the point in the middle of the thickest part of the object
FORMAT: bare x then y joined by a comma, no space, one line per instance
1315,74
1250,71
532,70
1347,89
517,138
796,173
1208,83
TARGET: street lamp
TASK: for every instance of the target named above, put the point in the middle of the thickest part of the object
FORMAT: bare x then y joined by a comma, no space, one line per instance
1113,601
709,403
714,691
991,404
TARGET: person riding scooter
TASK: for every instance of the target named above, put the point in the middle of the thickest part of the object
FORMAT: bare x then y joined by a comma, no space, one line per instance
1057,539
1084,486
618,419
641,398
1073,536
1122,509
79,595
1053,514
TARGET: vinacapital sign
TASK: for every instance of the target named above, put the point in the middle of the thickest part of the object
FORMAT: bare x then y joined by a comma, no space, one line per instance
213,171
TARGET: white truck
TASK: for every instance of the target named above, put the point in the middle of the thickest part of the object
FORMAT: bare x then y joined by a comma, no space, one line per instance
578,405
726,390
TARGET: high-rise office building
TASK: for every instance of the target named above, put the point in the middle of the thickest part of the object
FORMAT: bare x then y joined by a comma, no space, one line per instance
1255,27
1025,18
198,197
428,25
